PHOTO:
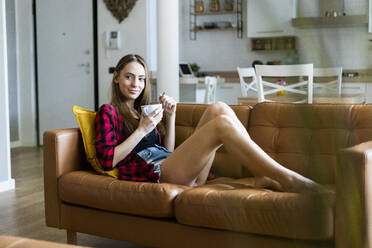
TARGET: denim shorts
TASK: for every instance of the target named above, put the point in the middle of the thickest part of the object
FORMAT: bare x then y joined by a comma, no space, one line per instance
154,155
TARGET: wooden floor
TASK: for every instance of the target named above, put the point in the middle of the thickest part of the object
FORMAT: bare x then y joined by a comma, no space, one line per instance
22,209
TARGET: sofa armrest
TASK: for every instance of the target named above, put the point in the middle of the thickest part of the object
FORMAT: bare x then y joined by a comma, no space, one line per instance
354,196
63,152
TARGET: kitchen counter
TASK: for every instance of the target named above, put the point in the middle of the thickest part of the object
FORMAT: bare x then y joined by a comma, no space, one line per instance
364,76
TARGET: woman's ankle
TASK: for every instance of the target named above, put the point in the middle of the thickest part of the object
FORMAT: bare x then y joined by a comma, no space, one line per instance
267,183
298,184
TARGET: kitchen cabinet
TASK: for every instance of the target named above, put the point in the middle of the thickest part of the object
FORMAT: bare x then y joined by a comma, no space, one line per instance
192,93
270,17
353,88
274,43
189,93
228,93
368,92
364,88
225,92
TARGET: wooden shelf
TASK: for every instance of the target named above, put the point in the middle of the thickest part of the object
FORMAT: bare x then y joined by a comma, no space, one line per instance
339,21
206,13
284,43
214,29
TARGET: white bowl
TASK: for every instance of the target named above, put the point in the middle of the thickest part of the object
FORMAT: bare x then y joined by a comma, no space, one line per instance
148,109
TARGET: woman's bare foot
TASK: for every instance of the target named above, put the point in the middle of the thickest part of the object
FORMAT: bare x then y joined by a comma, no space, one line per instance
300,184
267,183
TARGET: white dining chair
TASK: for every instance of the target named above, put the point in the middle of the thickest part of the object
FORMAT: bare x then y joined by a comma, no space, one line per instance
245,87
334,85
210,90
302,88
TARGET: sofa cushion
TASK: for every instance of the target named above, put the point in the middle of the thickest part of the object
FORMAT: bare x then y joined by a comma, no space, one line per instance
101,192
307,137
234,204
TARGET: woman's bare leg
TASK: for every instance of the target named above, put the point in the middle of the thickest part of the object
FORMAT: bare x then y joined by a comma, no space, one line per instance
190,158
260,181
214,110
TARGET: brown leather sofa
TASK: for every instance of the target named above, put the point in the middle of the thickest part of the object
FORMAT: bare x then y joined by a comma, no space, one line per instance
327,143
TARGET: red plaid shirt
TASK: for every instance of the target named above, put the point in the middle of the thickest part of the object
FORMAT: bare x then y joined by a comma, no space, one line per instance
111,132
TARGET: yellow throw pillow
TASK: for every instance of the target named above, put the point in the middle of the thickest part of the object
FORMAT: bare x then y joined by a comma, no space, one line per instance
86,119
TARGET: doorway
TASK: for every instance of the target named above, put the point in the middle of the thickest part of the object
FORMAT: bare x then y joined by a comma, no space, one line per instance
66,68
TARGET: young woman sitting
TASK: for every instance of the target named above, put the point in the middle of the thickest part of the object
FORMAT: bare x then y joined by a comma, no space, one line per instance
143,148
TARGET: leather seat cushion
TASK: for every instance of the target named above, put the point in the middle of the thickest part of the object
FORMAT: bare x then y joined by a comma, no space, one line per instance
102,192
234,204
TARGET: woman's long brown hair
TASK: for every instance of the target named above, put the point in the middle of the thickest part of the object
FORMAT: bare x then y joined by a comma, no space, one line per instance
118,100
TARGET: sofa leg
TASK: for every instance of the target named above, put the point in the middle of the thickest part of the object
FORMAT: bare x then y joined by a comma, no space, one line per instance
71,237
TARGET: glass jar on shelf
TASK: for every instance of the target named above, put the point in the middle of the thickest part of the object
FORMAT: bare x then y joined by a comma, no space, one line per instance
214,5
290,44
257,45
199,6
228,5
268,45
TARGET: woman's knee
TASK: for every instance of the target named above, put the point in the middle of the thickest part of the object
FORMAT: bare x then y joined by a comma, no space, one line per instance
224,124
219,108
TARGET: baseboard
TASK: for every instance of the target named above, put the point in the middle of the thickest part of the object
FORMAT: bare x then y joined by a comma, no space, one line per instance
7,185
14,144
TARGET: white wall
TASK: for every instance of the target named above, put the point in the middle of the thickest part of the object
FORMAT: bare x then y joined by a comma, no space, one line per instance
6,182
221,51
133,40
26,72
218,51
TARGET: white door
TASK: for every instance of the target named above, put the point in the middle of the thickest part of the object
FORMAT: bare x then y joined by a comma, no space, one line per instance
65,61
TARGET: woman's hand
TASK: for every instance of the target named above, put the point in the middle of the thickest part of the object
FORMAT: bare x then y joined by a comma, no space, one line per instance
148,123
169,104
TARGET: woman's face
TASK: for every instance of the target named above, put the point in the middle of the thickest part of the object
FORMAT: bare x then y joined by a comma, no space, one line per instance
131,80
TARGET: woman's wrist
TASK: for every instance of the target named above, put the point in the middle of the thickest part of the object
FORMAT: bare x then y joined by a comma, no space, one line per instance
141,132
170,117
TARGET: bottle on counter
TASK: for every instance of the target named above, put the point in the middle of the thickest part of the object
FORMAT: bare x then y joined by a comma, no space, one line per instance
282,82
292,58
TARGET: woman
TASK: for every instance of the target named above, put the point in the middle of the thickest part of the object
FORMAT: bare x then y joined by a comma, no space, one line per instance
132,142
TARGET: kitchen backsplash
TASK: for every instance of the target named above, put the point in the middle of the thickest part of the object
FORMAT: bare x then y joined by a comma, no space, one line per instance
356,7
346,47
